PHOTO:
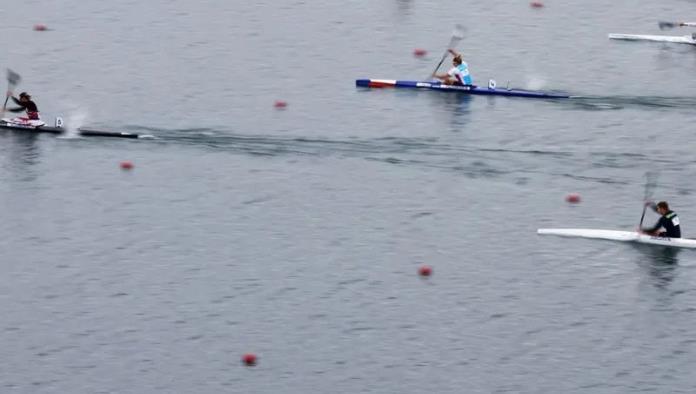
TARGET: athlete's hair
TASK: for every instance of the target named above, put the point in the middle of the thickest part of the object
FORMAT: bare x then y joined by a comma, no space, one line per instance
663,205
458,59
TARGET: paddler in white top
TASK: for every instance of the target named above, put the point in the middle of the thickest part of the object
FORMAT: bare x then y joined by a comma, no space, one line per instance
457,75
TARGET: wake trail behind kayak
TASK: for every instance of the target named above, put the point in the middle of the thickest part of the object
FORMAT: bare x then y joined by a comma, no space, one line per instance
620,102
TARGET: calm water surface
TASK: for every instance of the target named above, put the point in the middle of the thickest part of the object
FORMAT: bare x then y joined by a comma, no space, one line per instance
297,234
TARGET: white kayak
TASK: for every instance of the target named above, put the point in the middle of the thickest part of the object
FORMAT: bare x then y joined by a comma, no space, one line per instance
24,122
621,236
641,37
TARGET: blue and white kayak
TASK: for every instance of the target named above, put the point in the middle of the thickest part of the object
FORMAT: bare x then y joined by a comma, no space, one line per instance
490,90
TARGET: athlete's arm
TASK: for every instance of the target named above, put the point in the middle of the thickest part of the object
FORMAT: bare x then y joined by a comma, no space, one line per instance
655,227
444,75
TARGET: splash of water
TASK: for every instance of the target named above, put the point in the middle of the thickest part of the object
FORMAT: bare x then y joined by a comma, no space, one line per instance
73,122
536,83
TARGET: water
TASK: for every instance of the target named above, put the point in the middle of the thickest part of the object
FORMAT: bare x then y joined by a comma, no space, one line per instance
297,234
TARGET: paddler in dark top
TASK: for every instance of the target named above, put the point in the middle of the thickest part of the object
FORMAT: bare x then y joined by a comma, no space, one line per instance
669,221
25,104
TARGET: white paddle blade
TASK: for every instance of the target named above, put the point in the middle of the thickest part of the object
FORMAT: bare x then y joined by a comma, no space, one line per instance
650,184
458,32
12,77
457,35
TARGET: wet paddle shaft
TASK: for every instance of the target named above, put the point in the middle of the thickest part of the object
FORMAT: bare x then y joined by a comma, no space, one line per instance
650,183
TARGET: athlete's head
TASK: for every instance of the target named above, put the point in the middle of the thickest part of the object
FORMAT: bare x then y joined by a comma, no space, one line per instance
662,207
457,60
24,96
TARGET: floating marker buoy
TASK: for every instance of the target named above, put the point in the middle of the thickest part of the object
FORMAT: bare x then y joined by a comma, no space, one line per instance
536,4
425,270
126,165
573,198
40,27
280,104
419,52
249,359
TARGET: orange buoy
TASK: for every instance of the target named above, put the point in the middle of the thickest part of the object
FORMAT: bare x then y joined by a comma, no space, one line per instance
419,52
573,198
280,104
425,270
249,359
126,165
536,4
40,27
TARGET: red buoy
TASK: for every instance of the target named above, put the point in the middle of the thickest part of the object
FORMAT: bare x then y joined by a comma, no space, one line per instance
249,359
40,27
280,104
425,270
126,165
536,4
419,52
573,198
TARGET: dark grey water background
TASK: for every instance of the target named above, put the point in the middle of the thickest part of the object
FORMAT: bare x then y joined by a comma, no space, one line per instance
297,234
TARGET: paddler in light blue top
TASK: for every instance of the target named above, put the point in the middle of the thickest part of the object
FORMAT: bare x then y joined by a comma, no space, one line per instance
457,75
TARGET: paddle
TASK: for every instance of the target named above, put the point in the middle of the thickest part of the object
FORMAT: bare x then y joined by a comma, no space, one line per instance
650,184
671,25
12,80
457,36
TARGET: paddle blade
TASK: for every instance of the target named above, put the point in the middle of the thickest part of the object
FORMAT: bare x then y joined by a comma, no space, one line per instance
650,184
13,78
667,25
459,31
457,35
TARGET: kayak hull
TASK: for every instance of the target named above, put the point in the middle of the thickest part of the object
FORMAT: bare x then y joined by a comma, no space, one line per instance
474,90
60,130
620,236
643,37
